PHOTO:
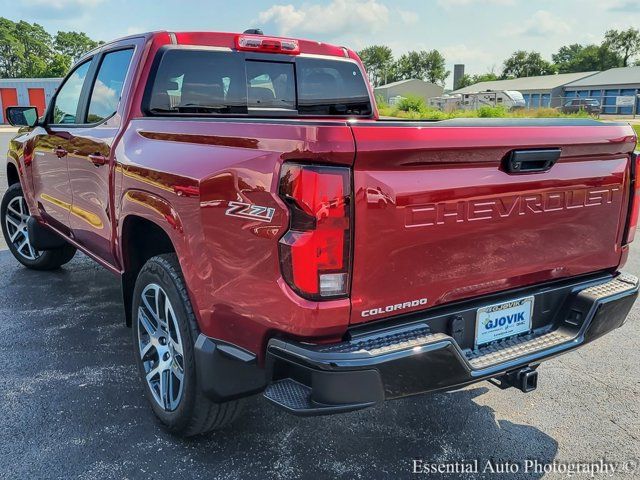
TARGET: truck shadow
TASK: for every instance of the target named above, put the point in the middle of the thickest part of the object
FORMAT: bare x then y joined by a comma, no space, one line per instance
439,429
70,387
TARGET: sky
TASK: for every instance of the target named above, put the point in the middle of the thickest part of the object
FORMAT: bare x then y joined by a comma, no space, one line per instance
477,33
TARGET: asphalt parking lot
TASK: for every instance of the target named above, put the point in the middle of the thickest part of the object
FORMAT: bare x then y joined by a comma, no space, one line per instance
71,405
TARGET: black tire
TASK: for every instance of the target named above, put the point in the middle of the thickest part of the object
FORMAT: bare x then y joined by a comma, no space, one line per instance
44,260
195,414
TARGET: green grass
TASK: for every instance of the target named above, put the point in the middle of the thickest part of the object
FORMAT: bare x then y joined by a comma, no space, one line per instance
636,127
414,108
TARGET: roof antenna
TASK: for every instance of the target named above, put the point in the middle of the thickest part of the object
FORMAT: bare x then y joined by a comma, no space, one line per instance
254,31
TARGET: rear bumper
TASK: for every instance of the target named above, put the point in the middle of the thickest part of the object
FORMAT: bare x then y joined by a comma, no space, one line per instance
413,357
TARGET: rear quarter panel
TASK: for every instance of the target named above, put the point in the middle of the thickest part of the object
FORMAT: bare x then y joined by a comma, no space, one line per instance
182,174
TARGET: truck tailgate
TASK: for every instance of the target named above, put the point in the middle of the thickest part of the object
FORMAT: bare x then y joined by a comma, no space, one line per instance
438,219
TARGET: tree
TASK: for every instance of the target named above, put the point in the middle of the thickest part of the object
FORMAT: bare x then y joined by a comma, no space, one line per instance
425,65
436,67
37,49
625,43
485,77
410,65
59,65
567,54
581,58
468,80
11,50
465,81
73,44
378,60
28,50
526,64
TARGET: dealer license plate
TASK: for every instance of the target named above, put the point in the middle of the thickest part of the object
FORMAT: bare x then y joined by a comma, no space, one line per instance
503,320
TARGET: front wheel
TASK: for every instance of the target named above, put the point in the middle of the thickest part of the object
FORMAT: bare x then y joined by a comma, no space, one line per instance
164,334
14,214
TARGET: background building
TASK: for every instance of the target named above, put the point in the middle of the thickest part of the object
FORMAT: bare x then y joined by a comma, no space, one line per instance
542,91
607,87
415,87
458,74
26,92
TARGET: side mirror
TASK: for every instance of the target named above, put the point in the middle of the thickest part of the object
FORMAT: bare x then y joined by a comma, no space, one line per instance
22,116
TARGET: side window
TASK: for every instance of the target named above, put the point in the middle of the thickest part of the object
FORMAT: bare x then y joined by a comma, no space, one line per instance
191,81
107,88
68,97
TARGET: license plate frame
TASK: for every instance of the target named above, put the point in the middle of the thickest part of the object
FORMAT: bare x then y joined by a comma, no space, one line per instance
505,318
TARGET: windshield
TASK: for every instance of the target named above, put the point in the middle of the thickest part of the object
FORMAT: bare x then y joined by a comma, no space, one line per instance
205,82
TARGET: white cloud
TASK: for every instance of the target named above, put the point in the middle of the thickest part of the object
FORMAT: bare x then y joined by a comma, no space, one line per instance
408,17
450,4
541,24
462,53
134,29
62,10
62,4
338,17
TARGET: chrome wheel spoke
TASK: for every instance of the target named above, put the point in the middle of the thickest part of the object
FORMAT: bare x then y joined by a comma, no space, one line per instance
15,234
152,306
177,371
11,208
13,221
24,243
177,348
144,351
146,323
153,372
164,388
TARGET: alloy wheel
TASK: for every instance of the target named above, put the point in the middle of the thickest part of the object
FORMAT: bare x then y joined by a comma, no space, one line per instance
160,347
16,218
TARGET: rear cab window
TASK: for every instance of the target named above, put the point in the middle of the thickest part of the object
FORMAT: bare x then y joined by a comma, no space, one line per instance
190,81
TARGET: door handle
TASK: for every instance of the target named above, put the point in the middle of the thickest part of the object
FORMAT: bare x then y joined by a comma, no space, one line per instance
60,152
98,160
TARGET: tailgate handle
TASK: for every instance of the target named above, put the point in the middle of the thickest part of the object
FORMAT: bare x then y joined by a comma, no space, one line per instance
529,161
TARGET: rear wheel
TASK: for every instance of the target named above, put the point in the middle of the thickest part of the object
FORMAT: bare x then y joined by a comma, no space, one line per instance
14,214
164,334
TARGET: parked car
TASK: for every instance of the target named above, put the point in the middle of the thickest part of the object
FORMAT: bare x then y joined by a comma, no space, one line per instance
272,234
590,105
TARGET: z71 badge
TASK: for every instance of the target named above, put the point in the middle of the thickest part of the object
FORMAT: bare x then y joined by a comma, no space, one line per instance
252,212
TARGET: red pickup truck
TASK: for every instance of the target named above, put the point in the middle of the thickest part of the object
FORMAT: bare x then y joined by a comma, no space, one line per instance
273,234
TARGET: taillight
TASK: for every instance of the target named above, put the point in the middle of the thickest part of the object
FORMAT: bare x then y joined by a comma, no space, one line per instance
634,209
259,43
315,252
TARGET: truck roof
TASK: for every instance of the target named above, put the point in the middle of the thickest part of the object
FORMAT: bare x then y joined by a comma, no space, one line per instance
228,39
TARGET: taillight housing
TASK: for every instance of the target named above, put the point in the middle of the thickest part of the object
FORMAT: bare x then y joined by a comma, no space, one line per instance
634,208
315,253
260,43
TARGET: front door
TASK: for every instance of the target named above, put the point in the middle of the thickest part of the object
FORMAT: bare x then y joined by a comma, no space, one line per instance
52,144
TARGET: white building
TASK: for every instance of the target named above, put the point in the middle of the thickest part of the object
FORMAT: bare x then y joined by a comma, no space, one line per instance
541,91
23,92
414,87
